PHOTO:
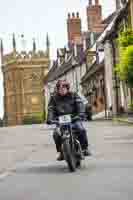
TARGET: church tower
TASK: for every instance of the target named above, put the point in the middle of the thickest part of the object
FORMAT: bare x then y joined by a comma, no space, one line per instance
24,74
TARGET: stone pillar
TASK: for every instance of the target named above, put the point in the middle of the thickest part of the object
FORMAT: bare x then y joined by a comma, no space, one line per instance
109,90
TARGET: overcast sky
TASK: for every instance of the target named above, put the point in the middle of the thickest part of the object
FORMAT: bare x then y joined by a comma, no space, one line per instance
35,18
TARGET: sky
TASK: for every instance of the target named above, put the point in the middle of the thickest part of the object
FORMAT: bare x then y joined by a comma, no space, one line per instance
36,18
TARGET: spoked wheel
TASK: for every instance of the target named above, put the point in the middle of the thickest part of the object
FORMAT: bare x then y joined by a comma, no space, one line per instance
68,155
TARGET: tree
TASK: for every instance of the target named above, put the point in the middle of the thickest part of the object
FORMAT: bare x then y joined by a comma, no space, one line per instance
125,38
125,66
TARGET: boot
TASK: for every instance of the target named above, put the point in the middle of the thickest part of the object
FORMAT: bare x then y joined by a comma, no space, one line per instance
60,157
86,152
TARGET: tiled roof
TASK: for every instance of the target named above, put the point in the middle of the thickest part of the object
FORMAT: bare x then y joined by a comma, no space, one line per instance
93,69
58,71
107,21
112,28
109,18
51,72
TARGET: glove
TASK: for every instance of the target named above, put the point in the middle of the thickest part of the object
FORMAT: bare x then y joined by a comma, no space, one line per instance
82,116
48,122
77,117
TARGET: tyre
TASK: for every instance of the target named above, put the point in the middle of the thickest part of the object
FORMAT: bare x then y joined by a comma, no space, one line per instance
68,155
78,163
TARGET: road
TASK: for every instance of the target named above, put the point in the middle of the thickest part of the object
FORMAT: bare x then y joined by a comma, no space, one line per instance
108,174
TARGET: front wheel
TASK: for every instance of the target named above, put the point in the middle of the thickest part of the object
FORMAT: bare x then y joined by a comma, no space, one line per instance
68,155
78,163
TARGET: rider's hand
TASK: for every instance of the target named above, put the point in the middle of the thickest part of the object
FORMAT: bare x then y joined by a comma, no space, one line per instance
76,118
82,116
49,122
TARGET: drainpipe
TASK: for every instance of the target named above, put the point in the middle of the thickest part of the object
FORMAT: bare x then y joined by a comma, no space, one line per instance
115,78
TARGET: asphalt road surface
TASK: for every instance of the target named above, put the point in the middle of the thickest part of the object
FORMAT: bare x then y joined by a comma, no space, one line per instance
107,175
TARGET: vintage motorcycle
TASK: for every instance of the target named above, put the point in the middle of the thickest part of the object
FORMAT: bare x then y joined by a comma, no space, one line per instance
71,147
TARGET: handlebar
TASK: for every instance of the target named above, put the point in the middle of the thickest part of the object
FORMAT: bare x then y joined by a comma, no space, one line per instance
55,122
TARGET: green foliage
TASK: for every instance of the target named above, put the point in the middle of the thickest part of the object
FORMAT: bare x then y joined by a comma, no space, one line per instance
125,66
35,118
126,38
130,106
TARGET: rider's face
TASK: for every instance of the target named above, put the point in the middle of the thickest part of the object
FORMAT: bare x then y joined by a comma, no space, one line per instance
63,90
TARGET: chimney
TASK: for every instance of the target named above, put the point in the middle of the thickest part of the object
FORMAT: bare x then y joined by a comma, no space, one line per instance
69,16
77,14
90,2
73,27
94,14
96,2
73,15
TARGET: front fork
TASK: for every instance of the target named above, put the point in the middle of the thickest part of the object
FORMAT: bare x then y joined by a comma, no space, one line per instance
67,135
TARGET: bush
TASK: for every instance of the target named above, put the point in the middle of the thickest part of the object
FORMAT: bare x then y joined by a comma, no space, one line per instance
35,118
130,106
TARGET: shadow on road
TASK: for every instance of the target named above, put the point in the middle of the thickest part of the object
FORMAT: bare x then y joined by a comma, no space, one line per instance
50,169
46,169
59,168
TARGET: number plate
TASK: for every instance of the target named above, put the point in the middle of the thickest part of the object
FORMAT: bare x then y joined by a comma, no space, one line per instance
65,119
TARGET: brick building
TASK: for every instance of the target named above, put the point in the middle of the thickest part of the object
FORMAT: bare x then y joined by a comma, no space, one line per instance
93,82
72,64
101,84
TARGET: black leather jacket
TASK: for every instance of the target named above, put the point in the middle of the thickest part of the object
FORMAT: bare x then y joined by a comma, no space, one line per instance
62,105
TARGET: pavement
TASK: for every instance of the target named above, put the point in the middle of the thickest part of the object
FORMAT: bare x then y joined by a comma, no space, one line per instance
123,118
33,173
128,120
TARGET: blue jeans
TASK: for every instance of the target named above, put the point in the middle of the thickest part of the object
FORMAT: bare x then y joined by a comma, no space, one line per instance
81,132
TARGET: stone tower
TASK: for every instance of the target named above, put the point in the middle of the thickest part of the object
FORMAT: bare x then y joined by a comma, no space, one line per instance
23,75
94,14
73,28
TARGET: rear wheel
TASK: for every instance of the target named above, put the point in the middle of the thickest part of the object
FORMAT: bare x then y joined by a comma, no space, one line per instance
68,155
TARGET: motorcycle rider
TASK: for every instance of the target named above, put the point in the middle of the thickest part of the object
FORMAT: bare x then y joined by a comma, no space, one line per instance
63,102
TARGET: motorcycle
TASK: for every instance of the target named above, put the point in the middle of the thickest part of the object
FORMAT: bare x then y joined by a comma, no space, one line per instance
71,147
